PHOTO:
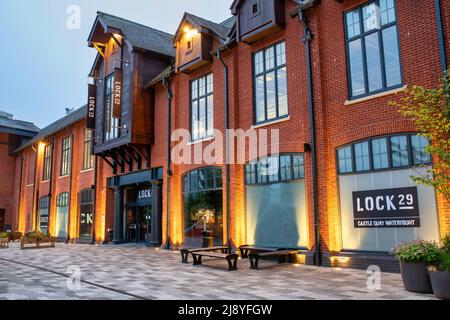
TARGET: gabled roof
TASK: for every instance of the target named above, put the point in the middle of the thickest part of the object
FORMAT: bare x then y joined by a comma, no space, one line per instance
135,34
56,126
234,6
220,31
10,125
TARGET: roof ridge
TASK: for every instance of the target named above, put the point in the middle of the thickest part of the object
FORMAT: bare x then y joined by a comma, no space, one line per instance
196,16
134,22
226,20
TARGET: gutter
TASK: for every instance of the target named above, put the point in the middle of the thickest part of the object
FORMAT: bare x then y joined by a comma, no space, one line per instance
306,39
166,84
94,204
227,142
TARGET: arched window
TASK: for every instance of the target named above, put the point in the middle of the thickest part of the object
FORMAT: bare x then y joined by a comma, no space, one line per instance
44,204
62,215
85,213
203,206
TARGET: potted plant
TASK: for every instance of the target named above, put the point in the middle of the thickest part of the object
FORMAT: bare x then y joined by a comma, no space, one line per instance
440,271
4,240
16,235
415,257
37,239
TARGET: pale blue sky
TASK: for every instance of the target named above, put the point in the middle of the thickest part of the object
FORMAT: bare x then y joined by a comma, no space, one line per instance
44,65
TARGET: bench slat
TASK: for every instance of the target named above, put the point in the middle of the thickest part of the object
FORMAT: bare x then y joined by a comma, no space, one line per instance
212,254
277,253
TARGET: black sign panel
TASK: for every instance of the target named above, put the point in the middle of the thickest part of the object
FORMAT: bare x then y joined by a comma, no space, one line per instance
117,111
144,196
91,106
388,208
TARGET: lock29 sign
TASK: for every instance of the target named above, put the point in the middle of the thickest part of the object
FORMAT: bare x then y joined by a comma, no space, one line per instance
389,208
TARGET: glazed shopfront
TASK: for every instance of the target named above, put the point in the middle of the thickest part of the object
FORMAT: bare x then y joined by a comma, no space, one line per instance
138,207
380,205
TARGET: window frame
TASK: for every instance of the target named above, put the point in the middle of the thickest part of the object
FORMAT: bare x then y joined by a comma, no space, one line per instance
66,151
216,187
47,163
263,74
267,181
87,149
111,134
197,99
362,35
389,154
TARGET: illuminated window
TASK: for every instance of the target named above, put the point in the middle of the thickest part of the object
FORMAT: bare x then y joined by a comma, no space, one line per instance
270,83
47,166
202,108
111,124
87,150
372,48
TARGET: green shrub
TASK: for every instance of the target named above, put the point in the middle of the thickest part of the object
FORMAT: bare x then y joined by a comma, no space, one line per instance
418,251
4,235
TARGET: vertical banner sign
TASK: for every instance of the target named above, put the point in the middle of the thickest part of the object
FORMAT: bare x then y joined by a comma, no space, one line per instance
91,106
389,208
117,110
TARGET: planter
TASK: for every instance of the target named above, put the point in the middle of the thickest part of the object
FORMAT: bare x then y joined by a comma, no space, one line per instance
416,277
440,282
34,243
4,243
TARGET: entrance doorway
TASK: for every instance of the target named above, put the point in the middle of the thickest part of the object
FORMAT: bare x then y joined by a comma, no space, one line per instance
138,224
2,219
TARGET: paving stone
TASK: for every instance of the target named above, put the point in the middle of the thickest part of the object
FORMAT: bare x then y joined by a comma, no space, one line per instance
140,272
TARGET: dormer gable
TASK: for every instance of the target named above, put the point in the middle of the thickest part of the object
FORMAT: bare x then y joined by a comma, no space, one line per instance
194,40
257,19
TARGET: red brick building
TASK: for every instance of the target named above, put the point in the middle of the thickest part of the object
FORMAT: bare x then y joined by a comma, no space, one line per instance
13,133
316,76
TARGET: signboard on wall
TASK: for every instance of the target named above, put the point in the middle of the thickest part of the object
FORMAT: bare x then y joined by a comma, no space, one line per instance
117,110
388,208
91,106
144,196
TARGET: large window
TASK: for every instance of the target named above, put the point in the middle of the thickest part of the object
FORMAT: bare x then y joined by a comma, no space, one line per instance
202,108
44,204
203,206
87,149
47,169
372,48
65,155
86,213
275,169
398,151
62,215
270,83
111,124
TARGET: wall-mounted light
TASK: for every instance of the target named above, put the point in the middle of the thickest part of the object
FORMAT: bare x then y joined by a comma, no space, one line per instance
190,33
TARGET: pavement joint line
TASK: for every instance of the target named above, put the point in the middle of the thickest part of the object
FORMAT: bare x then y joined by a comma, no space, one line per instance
83,281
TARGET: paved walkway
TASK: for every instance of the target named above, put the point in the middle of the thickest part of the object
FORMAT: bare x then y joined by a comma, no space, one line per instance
137,272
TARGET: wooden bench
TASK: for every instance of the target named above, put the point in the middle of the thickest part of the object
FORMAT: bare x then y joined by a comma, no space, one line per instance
30,243
281,254
245,250
231,258
185,252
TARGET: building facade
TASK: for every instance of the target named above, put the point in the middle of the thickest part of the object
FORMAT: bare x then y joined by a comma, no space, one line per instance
310,81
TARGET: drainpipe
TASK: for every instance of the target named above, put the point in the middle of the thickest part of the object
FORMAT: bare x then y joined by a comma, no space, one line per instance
20,193
437,5
94,204
50,187
69,225
440,30
307,38
34,207
227,162
166,84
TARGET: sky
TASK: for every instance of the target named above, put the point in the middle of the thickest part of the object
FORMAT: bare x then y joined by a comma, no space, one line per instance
44,63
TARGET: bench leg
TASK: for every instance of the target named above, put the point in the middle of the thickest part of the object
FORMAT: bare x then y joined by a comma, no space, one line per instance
184,255
282,259
254,262
197,260
244,253
232,263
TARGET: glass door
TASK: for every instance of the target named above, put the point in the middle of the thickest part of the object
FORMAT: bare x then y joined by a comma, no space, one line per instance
131,226
145,226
